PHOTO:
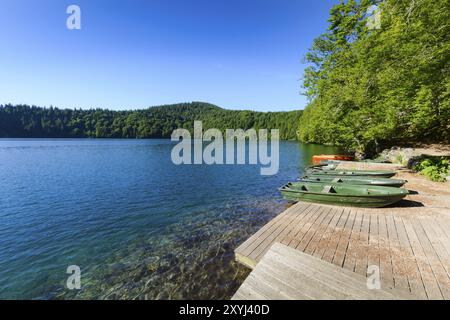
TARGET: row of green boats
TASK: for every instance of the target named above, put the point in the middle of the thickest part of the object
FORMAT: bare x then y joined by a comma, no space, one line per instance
357,188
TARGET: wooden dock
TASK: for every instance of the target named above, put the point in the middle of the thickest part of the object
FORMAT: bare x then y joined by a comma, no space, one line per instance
409,241
286,273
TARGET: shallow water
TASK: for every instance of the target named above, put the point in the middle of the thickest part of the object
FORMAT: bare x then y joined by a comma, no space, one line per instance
138,226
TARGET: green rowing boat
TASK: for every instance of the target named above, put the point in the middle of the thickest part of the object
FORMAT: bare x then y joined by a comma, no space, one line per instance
363,180
322,167
343,194
371,173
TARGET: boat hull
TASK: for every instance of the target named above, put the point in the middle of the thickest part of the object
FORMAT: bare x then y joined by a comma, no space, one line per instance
351,173
377,202
358,180
343,195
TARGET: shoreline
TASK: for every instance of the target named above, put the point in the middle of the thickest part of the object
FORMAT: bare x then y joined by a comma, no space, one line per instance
425,214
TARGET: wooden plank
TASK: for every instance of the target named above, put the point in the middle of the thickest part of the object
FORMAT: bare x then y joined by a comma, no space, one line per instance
243,252
248,246
306,239
427,277
398,264
350,257
326,238
245,260
287,273
297,225
342,246
373,256
357,165
246,292
293,283
275,236
438,242
386,270
444,225
433,260
334,280
314,243
271,231
412,269
336,236
363,244
260,286
442,230
306,225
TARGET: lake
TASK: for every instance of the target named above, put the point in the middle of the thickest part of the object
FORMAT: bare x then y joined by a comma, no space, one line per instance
138,226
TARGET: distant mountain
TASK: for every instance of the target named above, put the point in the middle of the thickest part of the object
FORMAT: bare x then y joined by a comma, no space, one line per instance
156,122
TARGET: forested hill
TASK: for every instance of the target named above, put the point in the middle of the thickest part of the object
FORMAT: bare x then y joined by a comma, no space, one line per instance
380,75
155,122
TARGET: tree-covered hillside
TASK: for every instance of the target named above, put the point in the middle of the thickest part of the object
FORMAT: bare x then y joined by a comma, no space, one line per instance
155,122
373,84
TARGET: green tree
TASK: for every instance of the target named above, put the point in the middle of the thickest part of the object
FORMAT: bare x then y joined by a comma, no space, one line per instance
371,88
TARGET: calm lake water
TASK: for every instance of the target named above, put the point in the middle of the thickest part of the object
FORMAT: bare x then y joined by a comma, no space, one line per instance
138,226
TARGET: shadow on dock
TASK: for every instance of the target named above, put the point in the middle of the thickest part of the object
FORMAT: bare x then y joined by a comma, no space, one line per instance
406,204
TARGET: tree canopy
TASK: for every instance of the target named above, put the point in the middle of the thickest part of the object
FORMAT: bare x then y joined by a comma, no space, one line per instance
154,122
373,85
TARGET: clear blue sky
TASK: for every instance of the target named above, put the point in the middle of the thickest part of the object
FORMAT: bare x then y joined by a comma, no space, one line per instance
238,54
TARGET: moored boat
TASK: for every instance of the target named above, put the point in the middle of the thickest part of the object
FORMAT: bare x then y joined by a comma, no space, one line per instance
343,194
358,180
318,158
339,173
323,166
